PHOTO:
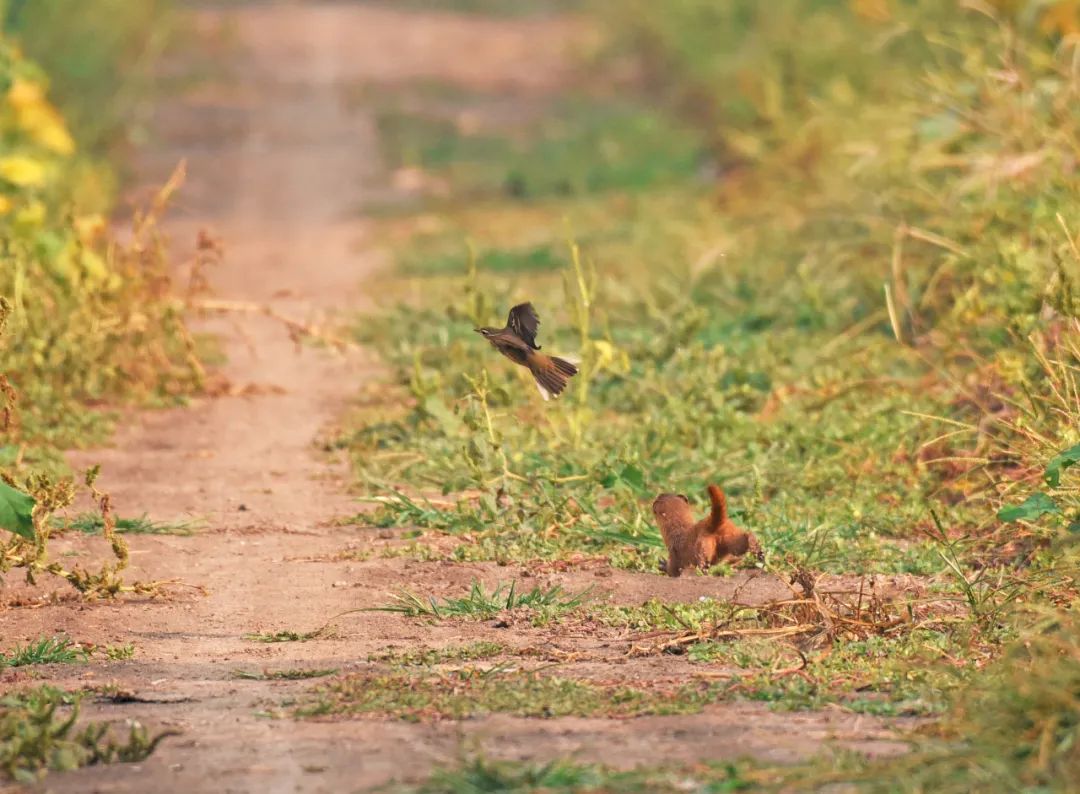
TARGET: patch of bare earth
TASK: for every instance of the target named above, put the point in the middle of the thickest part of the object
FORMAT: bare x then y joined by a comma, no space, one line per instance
278,162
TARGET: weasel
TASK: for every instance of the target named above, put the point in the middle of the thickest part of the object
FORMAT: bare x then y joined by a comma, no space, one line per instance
703,543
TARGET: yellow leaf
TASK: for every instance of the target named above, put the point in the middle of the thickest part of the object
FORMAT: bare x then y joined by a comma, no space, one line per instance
89,227
22,171
51,133
66,262
31,216
5,205
1062,18
23,94
95,268
78,264
874,10
38,118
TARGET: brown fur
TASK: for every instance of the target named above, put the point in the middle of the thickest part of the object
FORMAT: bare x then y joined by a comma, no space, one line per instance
703,543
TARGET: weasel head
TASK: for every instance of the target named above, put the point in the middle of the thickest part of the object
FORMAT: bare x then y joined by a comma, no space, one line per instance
669,507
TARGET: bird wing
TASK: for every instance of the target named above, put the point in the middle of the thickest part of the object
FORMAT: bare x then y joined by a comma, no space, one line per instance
524,322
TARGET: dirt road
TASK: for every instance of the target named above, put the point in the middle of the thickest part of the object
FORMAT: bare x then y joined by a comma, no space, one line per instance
280,166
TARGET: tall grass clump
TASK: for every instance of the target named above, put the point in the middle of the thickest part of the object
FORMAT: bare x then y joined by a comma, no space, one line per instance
88,320
85,320
39,733
98,55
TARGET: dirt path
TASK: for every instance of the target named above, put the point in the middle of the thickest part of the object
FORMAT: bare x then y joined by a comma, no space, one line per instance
279,164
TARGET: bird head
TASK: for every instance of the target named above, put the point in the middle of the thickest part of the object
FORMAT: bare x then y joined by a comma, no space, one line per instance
485,331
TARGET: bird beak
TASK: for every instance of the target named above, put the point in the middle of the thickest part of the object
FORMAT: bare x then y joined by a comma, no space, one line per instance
478,330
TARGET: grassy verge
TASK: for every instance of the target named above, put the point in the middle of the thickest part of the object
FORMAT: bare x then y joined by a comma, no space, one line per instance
99,57
479,775
87,322
847,291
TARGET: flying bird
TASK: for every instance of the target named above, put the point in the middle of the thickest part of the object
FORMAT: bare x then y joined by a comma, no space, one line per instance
517,341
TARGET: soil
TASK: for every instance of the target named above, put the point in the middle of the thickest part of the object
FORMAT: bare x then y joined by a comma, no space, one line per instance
281,156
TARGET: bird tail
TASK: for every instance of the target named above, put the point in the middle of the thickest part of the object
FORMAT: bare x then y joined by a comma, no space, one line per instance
719,515
551,373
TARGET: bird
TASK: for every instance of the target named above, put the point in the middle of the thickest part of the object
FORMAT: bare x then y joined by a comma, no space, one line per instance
517,341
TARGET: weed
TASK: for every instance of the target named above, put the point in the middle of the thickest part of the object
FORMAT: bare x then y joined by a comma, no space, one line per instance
866,329
93,524
97,54
48,650
119,652
488,8
291,636
432,656
478,775
804,653
479,605
38,733
579,147
28,547
284,675
99,323
472,692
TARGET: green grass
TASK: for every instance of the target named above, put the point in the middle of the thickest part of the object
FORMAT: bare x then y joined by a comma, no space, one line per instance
479,776
283,675
428,657
468,693
286,635
481,605
47,650
487,8
753,346
120,652
581,147
87,323
92,524
98,54
795,658
863,324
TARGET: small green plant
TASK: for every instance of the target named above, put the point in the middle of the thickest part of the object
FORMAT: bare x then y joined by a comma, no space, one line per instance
480,776
472,692
284,675
93,524
120,652
428,657
481,605
1041,504
1013,728
38,733
290,636
48,650
29,551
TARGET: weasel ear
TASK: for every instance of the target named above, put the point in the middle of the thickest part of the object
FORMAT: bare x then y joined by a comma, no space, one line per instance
683,497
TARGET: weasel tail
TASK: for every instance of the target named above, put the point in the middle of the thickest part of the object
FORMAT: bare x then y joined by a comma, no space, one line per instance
719,516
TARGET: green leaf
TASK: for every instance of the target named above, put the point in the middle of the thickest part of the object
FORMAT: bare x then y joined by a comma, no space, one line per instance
1069,457
16,509
445,418
1035,506
633,476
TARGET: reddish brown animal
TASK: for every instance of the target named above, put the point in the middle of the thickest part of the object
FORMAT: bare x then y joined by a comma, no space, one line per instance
703,543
